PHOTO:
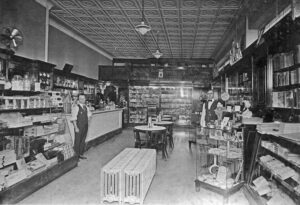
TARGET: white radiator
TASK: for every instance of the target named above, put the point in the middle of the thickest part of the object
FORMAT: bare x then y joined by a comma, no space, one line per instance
111,175
138,175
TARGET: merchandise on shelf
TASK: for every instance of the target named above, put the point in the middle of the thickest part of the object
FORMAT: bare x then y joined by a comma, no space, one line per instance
34,148
140,97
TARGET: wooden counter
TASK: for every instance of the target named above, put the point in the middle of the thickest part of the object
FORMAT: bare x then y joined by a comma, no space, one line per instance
103,125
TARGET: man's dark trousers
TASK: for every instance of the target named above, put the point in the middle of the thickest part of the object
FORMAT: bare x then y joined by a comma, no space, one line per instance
82,124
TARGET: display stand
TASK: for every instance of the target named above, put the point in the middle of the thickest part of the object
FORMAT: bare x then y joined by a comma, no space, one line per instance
219,161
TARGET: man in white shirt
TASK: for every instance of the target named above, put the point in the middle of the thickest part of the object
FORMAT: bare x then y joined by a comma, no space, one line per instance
80,118
208,110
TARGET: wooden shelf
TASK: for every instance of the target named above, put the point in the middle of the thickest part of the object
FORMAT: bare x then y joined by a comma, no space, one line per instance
291,164
31,109
285,87
20,92
295,195
290,68
63,87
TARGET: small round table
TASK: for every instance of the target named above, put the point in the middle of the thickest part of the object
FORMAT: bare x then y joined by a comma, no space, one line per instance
149,129
169,126
154,134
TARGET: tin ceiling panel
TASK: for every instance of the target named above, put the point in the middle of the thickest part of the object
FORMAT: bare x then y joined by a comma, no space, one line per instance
187,28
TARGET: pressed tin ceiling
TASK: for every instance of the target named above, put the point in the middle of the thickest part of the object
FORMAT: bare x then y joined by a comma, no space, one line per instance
187,28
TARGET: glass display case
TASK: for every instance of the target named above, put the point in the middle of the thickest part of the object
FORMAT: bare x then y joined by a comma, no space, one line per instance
219,160
34,150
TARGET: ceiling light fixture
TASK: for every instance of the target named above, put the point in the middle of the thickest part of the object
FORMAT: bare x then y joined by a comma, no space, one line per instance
157,53
142,28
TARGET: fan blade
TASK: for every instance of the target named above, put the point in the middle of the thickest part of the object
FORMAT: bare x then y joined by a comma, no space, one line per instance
14,32
14,43
18,39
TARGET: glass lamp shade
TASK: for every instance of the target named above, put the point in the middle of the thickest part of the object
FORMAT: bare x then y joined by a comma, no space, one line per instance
157,54
142,28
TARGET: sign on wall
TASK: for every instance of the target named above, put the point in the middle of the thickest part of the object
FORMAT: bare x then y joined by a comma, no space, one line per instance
160,73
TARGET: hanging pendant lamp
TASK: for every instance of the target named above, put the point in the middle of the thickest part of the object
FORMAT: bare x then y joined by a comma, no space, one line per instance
142,28
157,53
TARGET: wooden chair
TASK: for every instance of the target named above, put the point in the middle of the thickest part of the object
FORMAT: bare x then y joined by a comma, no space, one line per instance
141,138
170,136
159,142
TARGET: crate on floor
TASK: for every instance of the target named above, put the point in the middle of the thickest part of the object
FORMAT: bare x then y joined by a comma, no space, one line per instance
111,175
138,175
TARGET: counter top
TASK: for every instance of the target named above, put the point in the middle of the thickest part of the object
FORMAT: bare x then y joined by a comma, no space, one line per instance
94,112
103,111
294,137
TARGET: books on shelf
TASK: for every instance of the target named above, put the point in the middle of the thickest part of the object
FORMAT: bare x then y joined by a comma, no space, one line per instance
282,60
286,99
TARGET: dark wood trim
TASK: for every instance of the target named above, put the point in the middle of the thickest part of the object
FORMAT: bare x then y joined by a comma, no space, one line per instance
26,187
251,196
101,139
223,192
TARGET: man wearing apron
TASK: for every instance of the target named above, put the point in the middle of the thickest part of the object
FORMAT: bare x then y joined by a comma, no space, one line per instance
80,118
208,110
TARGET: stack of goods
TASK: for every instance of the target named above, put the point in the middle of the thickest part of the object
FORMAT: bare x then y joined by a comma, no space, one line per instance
270,191
40,130
282,151
23,102
15,119
277,167
286,99
56,98
262,186
281,79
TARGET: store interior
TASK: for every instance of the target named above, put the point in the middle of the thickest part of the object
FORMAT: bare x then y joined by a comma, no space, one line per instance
187,102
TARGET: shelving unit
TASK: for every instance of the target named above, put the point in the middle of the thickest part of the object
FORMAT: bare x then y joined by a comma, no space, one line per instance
140,98
35,143
286,83
275,170
177,102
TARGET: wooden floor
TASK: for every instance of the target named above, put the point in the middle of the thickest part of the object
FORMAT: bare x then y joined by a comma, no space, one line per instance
173,182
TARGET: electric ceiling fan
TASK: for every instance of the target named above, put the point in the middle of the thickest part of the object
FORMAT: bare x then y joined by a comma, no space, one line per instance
11,38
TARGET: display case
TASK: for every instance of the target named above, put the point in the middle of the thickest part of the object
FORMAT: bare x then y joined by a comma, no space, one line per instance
177,102
274,176
219,160
140,98
34,150
35,143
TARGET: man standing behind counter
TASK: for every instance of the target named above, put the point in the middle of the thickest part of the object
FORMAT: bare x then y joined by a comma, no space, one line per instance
81,115
208,110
